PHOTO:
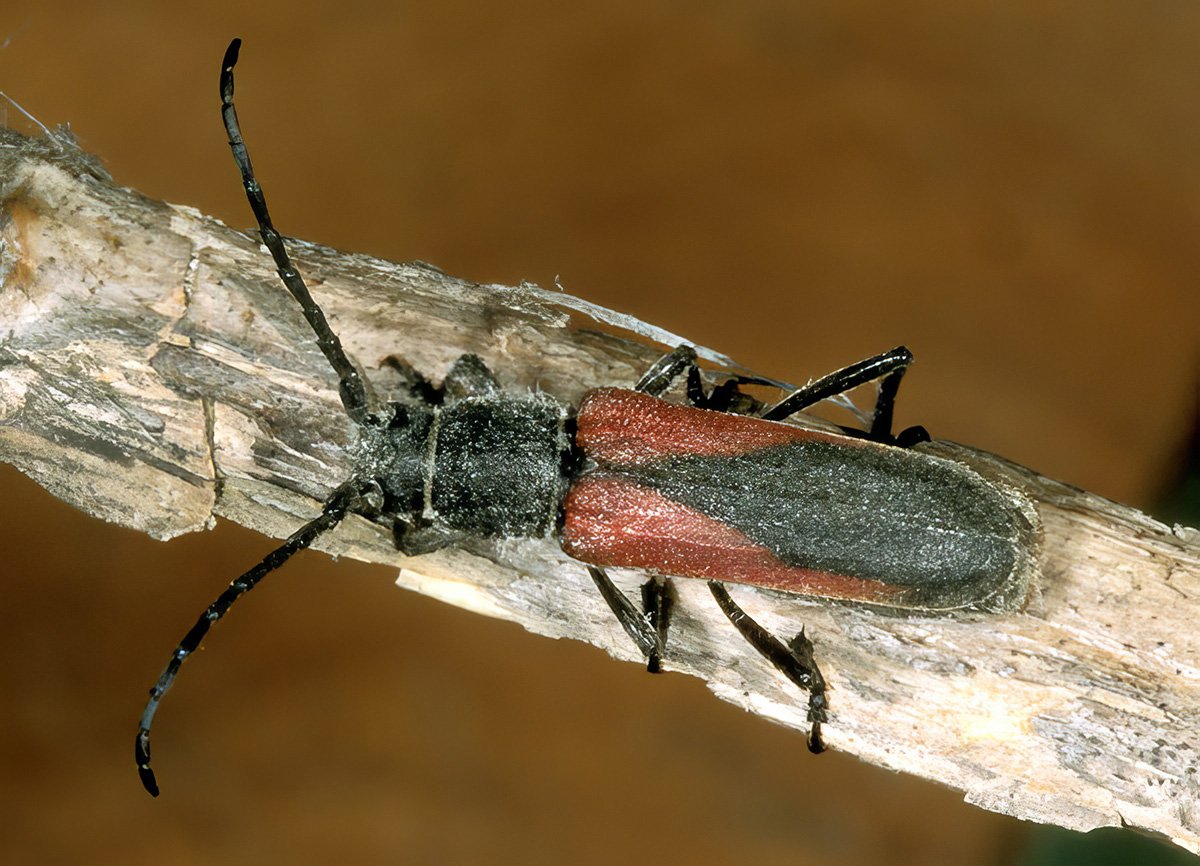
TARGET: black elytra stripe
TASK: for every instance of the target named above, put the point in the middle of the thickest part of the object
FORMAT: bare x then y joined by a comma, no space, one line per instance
873,513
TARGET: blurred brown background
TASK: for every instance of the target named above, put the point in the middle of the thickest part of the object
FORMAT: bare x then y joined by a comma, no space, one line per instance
1009,189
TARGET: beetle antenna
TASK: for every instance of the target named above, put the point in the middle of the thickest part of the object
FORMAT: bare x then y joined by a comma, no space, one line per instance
350,385
333,512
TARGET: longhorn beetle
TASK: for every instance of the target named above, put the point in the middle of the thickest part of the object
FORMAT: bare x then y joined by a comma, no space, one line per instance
718,489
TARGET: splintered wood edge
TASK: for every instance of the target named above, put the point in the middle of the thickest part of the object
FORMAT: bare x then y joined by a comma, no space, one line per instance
155,375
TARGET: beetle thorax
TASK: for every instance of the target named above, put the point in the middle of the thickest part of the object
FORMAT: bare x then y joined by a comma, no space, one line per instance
494,465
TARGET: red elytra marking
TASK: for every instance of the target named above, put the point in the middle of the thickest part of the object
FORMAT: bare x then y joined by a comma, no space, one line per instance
623,428
610,520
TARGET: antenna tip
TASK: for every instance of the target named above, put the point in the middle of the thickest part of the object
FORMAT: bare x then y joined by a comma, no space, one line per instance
141,753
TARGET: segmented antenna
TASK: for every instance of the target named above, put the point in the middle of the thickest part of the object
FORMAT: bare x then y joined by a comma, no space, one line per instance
333,512
354,395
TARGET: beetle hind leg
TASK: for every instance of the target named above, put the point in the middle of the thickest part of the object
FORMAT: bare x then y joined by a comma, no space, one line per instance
889,367
794,660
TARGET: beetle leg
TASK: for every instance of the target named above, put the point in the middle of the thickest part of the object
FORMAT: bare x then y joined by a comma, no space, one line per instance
794,660
890,366
725,397
728,396
648,630
658,597
419,539
667,369
413,381
469,376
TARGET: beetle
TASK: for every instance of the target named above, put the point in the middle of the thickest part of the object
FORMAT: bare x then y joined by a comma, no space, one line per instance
716,489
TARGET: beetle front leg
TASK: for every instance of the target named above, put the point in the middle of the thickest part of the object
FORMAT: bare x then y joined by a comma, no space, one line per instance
469,376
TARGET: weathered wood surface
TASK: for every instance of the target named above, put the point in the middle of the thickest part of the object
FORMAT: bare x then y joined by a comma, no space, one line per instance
153,373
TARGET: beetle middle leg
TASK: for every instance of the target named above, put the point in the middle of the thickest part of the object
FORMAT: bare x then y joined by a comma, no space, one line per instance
649,629
667,369
727,397
658,597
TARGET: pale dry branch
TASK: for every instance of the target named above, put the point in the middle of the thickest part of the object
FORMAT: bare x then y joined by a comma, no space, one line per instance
153,373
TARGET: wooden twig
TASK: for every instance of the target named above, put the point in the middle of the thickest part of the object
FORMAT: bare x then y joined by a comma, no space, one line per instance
154,373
